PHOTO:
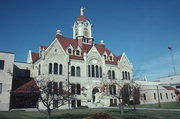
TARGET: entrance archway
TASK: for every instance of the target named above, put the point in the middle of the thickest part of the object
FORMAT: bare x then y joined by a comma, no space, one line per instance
94,91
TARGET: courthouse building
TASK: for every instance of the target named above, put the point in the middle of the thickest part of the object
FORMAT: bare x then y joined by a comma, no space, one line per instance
78,59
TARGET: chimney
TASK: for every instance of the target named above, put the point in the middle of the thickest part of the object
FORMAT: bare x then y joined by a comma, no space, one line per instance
102,43
80,41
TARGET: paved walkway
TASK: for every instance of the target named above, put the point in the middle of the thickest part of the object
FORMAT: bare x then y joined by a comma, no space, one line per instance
161,109
155,109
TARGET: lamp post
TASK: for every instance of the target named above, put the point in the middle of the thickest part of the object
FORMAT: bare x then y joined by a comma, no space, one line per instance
68,82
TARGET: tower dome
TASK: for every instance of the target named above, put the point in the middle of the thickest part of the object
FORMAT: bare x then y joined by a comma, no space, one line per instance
82,26
81,18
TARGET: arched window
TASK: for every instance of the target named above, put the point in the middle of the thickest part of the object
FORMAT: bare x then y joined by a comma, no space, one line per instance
100,72
77,52
89,71
78,71
93,74
39,69
60,69
55,68
123,76
86,32
72,71
50,68
128,76
109,74
161,96
166,96
113,74
69,51
112,89
97,71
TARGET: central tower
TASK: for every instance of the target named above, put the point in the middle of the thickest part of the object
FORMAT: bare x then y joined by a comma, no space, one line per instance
82,28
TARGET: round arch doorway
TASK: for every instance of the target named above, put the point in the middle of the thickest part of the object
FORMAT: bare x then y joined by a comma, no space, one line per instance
94,91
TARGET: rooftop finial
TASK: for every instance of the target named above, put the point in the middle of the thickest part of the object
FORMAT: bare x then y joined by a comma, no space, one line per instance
82,11
58,32
101,42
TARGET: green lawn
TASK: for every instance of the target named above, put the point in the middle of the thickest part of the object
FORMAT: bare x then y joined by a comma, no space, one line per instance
82,113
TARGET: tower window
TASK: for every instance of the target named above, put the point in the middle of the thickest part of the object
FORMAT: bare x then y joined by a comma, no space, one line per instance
86,32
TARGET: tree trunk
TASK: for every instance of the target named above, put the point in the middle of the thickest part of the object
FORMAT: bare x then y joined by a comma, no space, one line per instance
121,108
49,114
134,105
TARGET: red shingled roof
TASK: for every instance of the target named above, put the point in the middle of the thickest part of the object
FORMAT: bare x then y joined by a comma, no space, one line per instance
35,56
81,18
65,42
29,87
171,88
101,48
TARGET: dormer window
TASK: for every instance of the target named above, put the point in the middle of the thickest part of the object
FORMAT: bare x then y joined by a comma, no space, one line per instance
77,52
105,57
110,58
69,51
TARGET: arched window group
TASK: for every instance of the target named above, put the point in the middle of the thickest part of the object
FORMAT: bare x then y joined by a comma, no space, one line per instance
75,71
111,74
55,68
125,75
94,71
55,87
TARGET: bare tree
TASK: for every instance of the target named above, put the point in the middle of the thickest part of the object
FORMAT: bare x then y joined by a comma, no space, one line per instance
135,93
114,89
124,92
52,96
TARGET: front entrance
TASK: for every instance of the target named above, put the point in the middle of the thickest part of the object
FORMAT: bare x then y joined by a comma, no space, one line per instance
94,91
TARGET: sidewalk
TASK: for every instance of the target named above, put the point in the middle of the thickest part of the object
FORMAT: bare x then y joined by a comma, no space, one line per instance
177,110
160,109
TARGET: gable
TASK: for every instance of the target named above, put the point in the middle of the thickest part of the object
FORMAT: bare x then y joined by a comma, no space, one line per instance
124,61
93,54
55,50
